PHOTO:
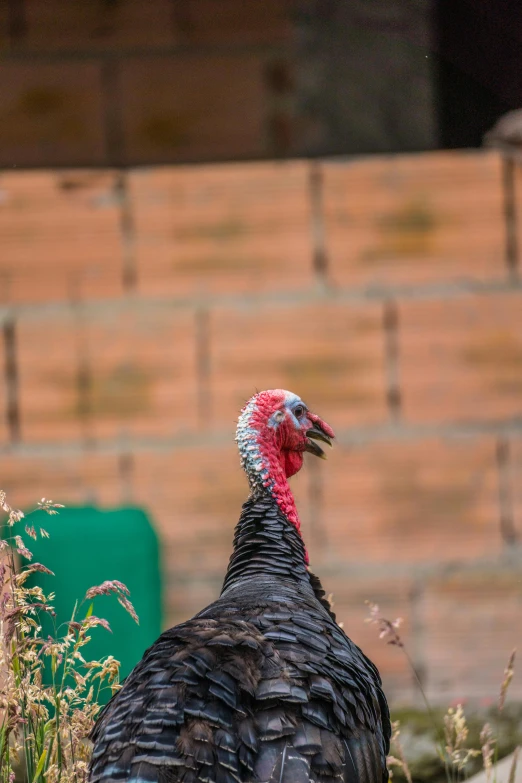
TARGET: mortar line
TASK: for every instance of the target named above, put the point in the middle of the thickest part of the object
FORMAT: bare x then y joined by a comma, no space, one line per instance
126,472
505,495
318,533
423,572
84,387
391,357
11,382
355,437
319,257
278,105
362,296
510,216
127,231
181,19
202,347
16,21
114,135
141,52
83,379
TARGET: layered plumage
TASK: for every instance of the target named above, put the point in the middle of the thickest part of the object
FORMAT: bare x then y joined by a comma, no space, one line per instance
262,685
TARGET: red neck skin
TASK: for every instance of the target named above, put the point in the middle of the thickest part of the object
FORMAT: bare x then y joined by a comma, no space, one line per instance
277,485
268,465
277,482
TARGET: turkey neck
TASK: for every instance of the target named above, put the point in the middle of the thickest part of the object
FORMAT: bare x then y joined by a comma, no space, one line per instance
266,544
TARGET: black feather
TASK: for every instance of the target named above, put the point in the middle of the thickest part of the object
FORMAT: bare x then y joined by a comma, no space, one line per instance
261,685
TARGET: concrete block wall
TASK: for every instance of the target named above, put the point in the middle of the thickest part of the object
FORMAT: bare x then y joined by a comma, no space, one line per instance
141,308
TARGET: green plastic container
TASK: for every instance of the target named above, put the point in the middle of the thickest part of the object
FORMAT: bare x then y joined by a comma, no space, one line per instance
87,546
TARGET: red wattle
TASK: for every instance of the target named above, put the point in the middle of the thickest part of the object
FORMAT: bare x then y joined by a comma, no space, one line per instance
276,462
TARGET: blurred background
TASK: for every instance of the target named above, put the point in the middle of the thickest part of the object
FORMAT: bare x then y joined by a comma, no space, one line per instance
201,198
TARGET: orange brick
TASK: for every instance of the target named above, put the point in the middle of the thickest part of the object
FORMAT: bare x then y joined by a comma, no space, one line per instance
461,359
202,483
142,373
206,485
330,354
409,219
60,236
88,479
393,596
51,113
190,107
230,21
91,25
223,228
469,632
194,496
48,376
411,502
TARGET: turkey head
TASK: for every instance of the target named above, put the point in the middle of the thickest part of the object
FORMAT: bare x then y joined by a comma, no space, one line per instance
274,430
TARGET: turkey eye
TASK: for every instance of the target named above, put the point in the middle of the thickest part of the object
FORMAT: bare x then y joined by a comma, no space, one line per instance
298,412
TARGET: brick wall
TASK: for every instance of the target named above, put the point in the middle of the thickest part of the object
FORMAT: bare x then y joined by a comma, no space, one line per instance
141,308
126,82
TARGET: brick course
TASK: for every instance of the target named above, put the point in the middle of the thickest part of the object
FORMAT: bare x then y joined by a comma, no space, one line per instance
405,219
192,108
142,375
84,480
54,109
430,500
230,21
91,83
48,362
60,236
91,26
332,353
222,229
462,359
469,620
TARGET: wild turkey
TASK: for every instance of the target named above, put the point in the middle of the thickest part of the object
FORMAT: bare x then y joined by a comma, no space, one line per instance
262,685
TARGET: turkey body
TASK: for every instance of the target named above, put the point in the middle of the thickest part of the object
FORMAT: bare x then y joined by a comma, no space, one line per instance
262,685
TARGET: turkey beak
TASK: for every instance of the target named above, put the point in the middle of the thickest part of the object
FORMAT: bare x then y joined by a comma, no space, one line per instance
314,434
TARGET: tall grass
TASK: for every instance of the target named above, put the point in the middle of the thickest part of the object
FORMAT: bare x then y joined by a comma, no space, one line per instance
451,736
49,689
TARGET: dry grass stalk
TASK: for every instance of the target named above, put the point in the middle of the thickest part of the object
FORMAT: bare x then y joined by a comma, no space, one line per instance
455,735
45,718
508,676
513,768
388,629
452,749
487,742
395,744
